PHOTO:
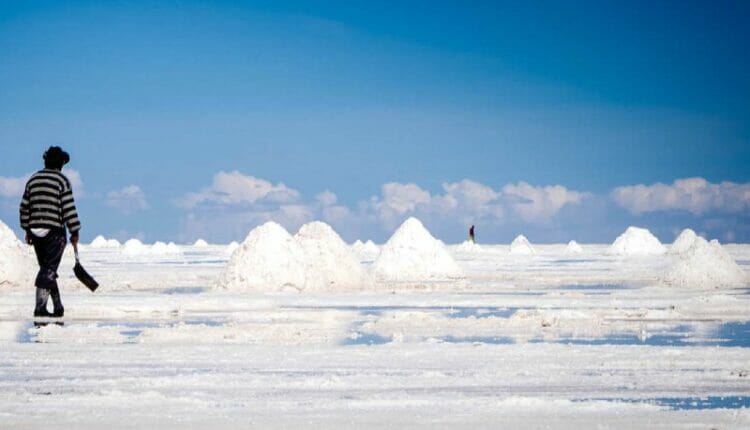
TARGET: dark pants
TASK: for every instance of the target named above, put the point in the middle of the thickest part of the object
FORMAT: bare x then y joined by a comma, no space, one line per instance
49,251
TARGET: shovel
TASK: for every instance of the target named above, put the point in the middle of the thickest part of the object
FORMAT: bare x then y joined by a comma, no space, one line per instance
82,274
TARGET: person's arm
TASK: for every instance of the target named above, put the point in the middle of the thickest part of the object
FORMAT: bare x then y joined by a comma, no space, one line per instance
70,215
25,213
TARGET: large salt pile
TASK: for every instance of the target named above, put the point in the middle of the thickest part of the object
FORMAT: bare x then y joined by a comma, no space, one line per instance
683,242
102,242
134,247
16,261
573,248
331,263
412,254
269,259
636,241
521,246
705,265
200,243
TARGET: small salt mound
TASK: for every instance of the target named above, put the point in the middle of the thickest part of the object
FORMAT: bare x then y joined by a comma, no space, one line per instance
200,243
365,250
269,259
705,265
573,248
521,246
371,248
683,242
99,242
412,254
161,248
468,247
102,242
636,241
134,247
331,263
16,261
231,248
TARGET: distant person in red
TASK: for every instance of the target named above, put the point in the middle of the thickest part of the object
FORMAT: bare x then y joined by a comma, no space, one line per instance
471,234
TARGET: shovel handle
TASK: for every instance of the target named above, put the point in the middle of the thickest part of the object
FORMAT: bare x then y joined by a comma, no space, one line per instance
75,250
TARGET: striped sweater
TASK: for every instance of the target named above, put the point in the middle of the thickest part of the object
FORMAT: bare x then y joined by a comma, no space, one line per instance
48,202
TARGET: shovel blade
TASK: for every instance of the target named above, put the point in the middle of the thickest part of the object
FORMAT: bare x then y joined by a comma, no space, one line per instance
85,278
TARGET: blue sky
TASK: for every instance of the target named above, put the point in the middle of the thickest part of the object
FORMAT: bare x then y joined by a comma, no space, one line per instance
188,119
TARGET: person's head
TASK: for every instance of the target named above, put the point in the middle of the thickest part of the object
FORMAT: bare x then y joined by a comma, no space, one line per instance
55,158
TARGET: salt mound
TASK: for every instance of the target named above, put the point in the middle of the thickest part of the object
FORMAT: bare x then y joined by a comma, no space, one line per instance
231,248
331,263
200,243
16,262
683,242
134,247
161,248
573,248
269,259
102,242
705,265
370,248
468,247
636,241
521,246
412,254
365,249
99,242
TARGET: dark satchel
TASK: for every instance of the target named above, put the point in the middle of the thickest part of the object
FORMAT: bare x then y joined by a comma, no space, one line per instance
83,275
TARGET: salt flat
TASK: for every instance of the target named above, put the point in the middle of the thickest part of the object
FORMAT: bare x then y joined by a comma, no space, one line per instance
548,340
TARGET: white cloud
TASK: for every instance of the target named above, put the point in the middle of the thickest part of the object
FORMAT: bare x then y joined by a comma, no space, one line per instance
336,214
472,199
234,203
75,182
326,198
14,186
226,224
695,195
468,200
534,204
235,188
403,198
128,199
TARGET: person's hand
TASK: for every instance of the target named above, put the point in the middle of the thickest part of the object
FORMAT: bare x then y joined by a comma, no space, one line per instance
74,239
28,239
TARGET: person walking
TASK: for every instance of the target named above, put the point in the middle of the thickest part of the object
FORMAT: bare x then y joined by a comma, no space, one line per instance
47,208
471,234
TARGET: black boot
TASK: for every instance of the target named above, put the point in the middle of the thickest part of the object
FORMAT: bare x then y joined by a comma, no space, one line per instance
59,310
41,303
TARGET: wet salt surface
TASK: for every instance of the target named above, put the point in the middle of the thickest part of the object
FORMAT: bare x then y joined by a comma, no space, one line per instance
731,334
450,311
686,403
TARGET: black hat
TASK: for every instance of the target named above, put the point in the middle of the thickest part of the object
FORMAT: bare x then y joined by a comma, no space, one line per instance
56,157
